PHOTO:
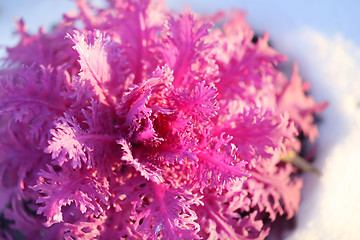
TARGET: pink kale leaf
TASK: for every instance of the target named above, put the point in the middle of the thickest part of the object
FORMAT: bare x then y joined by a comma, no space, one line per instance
137,24
218,165
299,106
258,133
69,143
199,103
229,216
147,170
62,188
186,48
280,194
136,109
98,57
35,96
43,48
168,215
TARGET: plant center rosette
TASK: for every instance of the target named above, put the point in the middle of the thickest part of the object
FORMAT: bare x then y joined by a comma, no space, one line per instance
133,122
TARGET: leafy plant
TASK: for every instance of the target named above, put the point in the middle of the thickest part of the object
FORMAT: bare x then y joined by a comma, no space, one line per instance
143,124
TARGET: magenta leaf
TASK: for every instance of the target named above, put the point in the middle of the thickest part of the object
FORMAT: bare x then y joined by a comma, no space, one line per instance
247,68
43,48
69,143
186,48
281,195
178,151
258,133
168,216
136,108
83,230
62,188
79,143
35,96
147,170
98,56
137,24
218,165
199,103
299,106
227,216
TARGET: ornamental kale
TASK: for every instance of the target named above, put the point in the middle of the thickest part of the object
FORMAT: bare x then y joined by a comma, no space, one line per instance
131,122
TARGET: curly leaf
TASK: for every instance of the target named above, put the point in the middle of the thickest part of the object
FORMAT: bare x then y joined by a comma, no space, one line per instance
61,188
218,165
258,133
199,103
71,142
186,48
35,96
147,170
299,106
98,57
168,216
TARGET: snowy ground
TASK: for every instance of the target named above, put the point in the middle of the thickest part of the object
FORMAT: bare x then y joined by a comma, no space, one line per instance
324,38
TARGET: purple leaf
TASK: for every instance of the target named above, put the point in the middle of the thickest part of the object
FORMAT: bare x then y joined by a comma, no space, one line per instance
258,134
185,48
299,106
199,103
168,216
147,170
59,189
68,143
98,56
35,96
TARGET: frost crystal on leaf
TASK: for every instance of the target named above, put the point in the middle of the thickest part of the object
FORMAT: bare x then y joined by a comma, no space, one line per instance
132,122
